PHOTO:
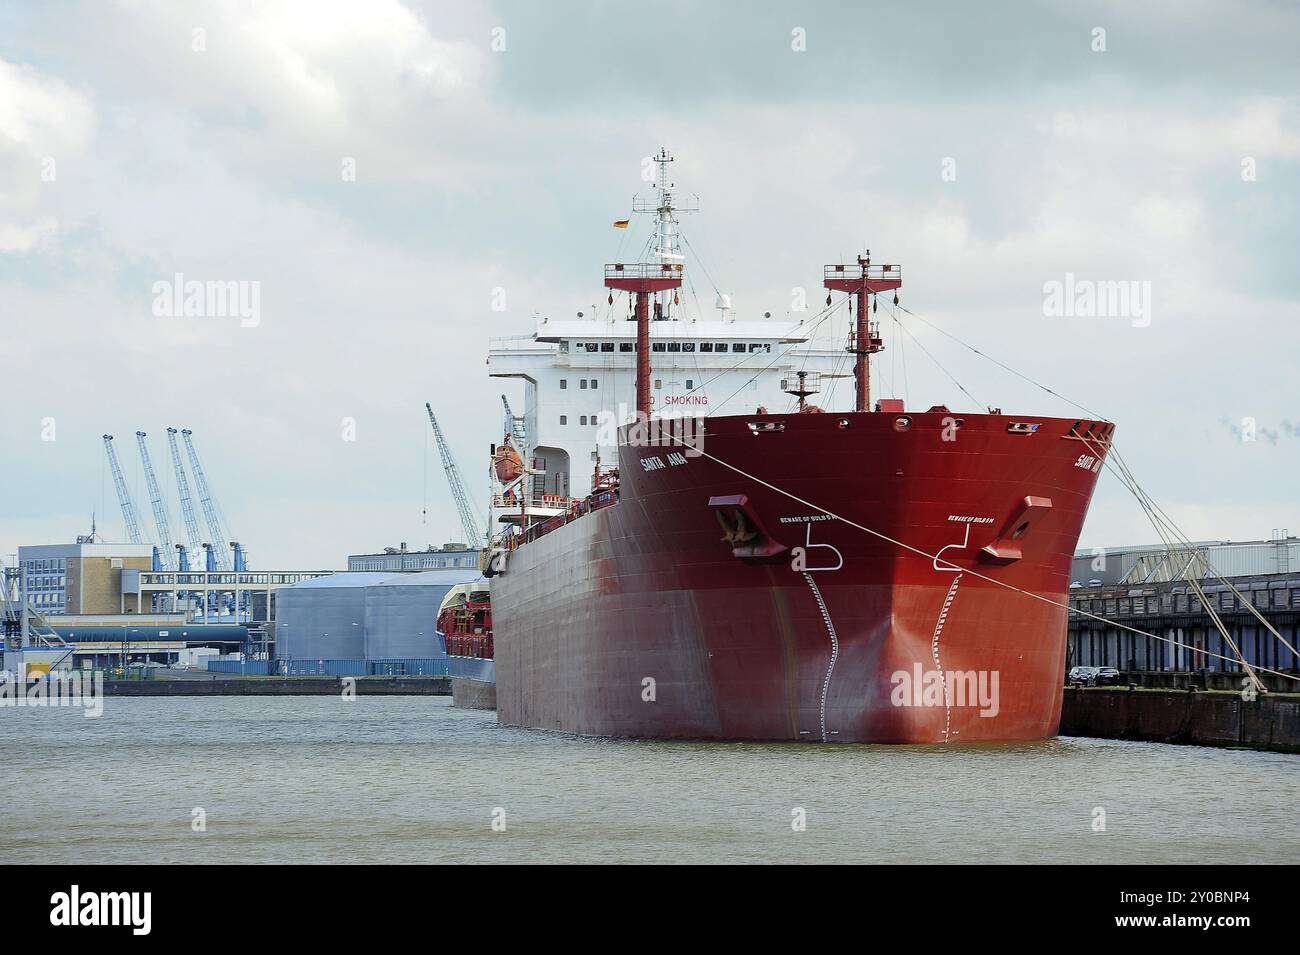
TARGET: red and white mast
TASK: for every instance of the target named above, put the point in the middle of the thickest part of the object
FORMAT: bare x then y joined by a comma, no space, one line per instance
861,280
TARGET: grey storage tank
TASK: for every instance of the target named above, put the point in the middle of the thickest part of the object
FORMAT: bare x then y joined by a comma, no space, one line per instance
402,613
324,618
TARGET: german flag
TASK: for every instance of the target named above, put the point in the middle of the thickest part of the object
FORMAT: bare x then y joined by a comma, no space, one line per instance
621,223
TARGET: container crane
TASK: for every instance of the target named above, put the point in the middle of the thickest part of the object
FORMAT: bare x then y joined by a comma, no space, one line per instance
123,495
165,542
219,545
473,536
187,504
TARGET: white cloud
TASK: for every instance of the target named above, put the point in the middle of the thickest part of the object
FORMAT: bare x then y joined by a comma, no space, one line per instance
43,122
224,164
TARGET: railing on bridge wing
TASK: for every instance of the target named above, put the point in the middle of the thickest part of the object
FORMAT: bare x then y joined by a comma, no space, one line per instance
644,270
870,272
519,343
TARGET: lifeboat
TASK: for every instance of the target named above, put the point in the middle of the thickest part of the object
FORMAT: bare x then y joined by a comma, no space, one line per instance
508,463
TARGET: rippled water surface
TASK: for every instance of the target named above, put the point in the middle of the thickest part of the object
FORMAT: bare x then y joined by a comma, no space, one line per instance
317,779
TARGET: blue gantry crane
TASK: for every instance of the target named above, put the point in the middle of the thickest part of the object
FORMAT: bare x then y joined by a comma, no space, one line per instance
219,540
195,548
123,495
165,542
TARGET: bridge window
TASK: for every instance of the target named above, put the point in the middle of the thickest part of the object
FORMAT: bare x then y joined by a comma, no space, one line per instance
582,383
658,346
688,346
674,346
689,384
592,346
564,419
582,420
606,346
738,347
626,346
593,383
706,346
564,384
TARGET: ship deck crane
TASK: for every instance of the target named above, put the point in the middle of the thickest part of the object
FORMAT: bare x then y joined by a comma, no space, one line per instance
165,541
187,503
123,495
468,521
219,540
516,426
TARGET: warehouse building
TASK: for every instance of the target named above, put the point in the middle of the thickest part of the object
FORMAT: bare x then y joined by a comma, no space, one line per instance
359,617
1152,563
1179,643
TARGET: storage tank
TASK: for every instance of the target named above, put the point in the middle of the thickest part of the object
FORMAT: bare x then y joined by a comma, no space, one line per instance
324,618
401,613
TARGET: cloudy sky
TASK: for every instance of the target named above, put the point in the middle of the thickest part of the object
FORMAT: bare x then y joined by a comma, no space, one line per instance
989,149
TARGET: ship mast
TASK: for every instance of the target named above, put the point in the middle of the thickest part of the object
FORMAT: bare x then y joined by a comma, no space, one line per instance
861,280
647,279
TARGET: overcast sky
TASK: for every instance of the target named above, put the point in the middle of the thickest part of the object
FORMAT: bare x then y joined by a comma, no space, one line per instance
143,139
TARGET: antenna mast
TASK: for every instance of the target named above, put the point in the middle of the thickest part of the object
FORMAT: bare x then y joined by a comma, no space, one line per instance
647,279
861,280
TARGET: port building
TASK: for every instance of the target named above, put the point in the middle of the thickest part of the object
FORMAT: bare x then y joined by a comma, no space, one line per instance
1145,588
400,559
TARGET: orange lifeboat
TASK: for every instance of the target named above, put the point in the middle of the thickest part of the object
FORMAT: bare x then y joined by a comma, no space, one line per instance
508,463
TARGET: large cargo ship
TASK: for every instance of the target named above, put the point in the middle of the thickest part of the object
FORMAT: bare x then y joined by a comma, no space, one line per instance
884,574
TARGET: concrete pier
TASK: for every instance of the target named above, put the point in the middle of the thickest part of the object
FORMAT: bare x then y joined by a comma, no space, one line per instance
1198,717
290,686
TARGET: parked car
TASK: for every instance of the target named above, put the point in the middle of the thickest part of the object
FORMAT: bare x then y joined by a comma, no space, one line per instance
1080,674
1105,676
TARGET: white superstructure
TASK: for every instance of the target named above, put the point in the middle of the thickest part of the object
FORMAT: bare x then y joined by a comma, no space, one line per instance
580,375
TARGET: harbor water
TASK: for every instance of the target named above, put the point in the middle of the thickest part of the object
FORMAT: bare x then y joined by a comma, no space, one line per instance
412,779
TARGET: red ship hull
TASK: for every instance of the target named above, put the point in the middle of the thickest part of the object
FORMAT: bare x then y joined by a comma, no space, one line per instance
708,604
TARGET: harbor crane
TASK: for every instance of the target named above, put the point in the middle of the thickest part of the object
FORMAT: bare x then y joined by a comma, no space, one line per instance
123,495
165,541
219,539
187,503
468,521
